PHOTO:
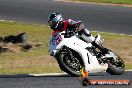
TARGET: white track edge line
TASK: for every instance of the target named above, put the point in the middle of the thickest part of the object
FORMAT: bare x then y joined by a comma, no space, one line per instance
48,26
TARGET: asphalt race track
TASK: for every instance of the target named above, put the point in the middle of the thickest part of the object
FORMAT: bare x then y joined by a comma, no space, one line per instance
115,19
63,81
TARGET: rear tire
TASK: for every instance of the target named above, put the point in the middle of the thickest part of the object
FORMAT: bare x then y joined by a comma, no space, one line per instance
113,70
116,68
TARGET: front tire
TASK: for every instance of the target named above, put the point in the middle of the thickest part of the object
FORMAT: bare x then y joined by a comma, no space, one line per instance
72,66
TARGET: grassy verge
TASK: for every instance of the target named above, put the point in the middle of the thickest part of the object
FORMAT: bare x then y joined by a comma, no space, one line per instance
108,1
37,60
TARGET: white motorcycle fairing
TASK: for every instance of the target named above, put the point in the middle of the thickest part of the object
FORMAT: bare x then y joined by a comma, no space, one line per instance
75,43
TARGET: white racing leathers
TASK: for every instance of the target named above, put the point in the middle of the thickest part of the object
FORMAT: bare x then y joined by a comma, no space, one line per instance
91,63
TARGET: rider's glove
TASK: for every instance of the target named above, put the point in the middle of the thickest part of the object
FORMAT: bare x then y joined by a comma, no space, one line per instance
79,27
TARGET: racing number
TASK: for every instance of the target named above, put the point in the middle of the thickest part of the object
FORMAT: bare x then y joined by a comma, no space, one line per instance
57,40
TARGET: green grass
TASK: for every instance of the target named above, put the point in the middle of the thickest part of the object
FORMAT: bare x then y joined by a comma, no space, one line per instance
108,1
129,66
37,60
33,61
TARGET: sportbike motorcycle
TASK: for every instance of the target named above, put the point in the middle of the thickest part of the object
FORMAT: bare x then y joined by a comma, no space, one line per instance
62,48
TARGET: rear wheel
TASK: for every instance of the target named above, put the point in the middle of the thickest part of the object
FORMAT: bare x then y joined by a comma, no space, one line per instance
116,65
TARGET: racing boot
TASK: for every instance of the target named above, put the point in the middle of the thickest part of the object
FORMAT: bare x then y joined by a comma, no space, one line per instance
101,48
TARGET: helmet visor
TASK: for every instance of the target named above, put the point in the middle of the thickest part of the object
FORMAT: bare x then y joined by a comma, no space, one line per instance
52,24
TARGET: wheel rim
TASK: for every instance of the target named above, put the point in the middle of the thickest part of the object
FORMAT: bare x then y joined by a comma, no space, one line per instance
117,61
72,63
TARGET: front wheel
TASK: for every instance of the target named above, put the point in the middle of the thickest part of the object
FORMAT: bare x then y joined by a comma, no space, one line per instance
71,65
116,65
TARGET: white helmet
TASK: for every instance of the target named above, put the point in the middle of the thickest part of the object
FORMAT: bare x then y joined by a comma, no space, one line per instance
54,19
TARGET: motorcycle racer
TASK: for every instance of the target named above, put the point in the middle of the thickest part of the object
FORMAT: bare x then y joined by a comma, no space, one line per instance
71,27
